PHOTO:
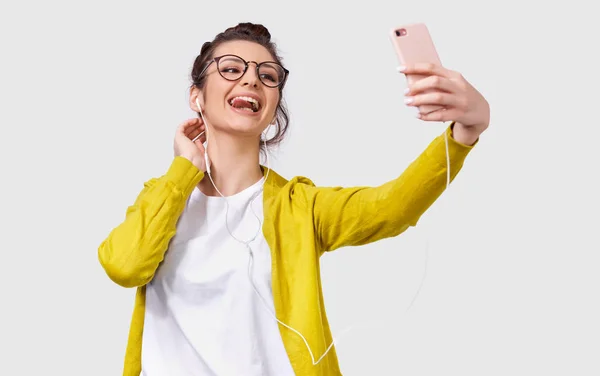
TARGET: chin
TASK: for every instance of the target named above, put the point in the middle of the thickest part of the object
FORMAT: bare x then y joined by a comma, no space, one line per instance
247,123
241,127
246,128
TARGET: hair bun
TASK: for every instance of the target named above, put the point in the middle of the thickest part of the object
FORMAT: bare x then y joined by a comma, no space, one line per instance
251,29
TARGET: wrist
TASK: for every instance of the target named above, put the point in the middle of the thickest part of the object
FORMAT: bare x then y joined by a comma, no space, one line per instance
195,160
467,135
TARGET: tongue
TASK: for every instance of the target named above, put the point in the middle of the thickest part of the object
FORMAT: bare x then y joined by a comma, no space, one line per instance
240,103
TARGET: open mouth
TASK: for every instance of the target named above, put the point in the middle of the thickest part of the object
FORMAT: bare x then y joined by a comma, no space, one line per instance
245,103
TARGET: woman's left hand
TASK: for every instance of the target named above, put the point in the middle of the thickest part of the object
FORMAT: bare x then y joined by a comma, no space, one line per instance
461,102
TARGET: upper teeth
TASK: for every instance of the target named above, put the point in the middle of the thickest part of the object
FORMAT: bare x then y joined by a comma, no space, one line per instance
248,99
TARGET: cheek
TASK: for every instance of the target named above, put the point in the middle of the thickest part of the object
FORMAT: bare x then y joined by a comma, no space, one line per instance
215,94
273,102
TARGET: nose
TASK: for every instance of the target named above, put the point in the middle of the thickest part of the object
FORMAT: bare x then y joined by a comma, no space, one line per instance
250,77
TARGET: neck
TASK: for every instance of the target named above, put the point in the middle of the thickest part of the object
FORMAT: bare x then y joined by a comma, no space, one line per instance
234,164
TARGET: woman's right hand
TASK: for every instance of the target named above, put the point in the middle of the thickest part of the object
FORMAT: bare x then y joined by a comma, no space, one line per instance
183,145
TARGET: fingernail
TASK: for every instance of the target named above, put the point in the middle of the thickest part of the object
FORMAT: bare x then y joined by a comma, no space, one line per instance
407,90
408,100
401,68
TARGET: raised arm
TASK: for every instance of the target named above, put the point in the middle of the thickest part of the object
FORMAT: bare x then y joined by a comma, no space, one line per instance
360,215
133,250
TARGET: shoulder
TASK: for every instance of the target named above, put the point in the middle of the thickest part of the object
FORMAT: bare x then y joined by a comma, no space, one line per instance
298,189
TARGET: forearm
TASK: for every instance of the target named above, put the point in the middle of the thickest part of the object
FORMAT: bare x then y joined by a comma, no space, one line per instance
361,215
425,179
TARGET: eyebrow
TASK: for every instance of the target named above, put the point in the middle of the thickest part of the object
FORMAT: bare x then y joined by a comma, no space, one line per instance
226,58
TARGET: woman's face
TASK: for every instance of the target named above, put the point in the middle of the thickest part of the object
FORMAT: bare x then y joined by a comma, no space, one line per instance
244,107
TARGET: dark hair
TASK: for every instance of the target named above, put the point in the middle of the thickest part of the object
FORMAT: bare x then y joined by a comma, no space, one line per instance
253,33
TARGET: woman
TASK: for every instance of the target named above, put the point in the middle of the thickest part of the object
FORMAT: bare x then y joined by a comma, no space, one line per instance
224,252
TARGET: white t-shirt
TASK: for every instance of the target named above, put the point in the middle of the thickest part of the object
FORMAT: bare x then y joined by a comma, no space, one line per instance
202,314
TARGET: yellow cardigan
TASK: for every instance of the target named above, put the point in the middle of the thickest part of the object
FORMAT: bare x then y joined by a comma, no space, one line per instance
301,222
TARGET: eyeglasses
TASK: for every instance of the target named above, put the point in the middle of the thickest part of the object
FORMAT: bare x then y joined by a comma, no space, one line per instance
233,67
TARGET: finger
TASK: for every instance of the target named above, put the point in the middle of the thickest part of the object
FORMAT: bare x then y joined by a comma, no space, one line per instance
441,115
435,98
184,127
437,83
200,143
192,132
425,69
198,136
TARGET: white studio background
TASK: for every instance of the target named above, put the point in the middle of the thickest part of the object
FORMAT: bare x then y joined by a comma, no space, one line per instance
91,95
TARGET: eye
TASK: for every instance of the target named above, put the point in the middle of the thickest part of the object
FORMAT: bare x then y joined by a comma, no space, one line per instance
268,77
230,70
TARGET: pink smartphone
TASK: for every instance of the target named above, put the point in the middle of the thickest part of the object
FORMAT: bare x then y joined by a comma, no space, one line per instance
413,44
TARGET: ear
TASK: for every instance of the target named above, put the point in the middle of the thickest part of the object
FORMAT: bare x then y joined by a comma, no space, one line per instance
196,94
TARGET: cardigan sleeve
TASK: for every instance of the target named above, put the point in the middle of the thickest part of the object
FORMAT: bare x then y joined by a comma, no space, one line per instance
133,250
359,215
